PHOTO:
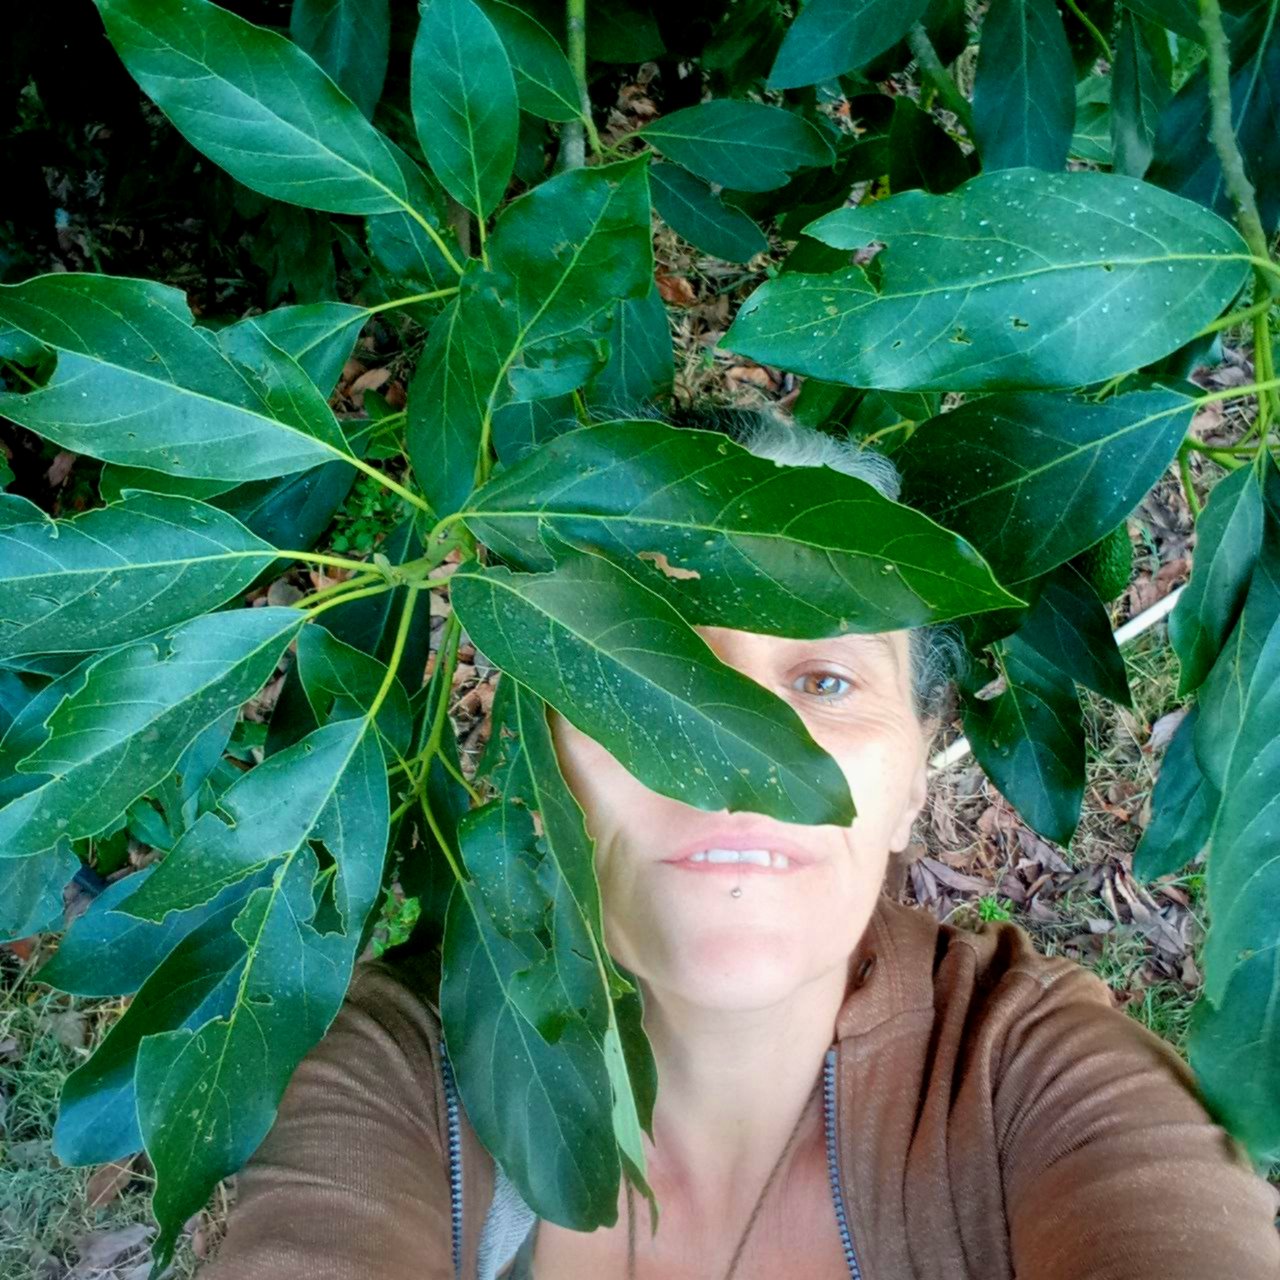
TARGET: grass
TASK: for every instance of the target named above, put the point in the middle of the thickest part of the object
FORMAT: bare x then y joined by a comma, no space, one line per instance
45,1214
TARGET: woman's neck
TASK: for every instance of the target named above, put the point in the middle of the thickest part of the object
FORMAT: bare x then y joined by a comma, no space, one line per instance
731,1086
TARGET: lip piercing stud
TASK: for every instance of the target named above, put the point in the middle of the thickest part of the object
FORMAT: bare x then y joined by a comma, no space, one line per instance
736,891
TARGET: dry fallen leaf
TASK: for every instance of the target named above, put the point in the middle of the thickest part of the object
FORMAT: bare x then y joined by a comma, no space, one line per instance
676,290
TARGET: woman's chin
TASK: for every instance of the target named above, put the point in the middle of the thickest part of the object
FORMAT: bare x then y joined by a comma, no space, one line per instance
737,966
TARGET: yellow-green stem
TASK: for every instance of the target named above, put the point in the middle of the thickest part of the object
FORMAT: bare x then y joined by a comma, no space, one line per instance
1184,469
397,650
411,299
351,595
1092,30
436,239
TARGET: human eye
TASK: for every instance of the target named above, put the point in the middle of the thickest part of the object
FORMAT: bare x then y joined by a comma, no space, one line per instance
823,678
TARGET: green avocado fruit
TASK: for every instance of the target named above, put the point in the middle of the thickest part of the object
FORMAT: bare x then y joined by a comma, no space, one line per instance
1108,564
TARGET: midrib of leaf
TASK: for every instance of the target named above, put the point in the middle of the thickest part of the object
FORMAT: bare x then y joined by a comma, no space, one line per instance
1015,700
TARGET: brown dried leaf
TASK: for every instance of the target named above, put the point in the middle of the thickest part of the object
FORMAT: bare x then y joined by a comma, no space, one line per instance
107,1181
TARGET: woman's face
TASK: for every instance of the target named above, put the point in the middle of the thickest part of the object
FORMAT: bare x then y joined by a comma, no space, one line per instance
681,929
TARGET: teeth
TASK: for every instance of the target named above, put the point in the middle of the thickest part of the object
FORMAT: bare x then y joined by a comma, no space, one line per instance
760,857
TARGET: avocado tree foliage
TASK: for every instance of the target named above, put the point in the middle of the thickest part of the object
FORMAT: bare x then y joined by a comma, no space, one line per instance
1062,247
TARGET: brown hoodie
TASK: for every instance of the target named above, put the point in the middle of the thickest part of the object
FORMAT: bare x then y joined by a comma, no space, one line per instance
995,1117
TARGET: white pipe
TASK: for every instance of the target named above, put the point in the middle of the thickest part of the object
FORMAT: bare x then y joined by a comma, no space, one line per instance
1134,627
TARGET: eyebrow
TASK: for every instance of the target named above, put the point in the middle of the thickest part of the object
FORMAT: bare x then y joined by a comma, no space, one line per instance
859,640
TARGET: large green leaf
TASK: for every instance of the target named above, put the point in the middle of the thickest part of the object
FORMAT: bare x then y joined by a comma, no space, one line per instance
745,146
1016,279
291,979
544,78
641,361
351,40
731,539
165,395
1029,740
1183,806
830,37
259,107
464,103
1140,87
561,256
1228,533
121,571
624,667
1024,91
551,1123
695,212
97,1112
1235,1041
1069,628
137,708
1031,479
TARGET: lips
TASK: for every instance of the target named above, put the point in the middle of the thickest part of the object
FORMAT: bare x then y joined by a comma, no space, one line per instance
798,858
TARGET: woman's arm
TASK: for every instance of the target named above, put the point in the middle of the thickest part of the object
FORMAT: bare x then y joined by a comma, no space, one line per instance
351,1183
1112,1168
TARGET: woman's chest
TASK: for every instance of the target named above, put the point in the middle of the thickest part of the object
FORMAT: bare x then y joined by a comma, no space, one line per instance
796,1234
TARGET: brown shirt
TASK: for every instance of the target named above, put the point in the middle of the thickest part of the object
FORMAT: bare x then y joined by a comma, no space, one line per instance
997,1118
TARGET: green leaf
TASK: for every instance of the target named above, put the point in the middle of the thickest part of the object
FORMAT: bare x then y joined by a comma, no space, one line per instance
641,358
291,981
745,146
1194,170
1024,98
523,425
1140,87
97,1116
1029,740
259,107
1178,15
1017,279
135,712
624,667
731,539
1228,534
696,213
112,574
306,792
464,103
320,336
341,683
553,1132
108,953
410,260
526,890
544,78
561,257
166,395
1032,479
921,152
351,40
1091,140
1183,806
1235,1039
31,892
830,37
1070,629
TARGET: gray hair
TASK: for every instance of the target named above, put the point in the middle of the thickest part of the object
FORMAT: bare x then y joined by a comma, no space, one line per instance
936,650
